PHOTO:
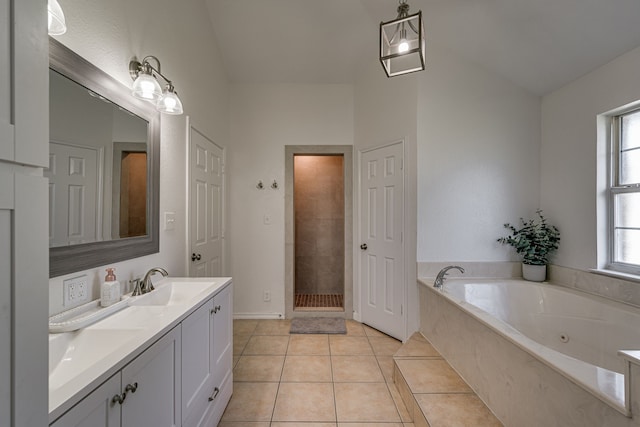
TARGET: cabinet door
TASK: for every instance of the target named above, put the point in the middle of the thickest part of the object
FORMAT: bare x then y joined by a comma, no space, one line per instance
24,110
6,237
95,410
197,374
222,335
30,109
152,385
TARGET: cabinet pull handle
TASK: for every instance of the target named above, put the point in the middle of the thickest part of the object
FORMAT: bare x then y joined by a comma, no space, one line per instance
217,308
215,394
118,398
131,388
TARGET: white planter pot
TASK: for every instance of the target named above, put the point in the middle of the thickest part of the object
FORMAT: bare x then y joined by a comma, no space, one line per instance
534,273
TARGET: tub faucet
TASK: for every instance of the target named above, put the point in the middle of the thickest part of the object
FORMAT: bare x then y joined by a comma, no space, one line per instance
440,277
146,285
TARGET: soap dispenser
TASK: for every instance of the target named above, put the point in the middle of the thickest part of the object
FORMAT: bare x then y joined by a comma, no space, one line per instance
110,292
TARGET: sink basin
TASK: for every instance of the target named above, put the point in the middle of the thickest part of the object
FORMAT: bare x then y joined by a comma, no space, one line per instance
58,344
173,292
71,353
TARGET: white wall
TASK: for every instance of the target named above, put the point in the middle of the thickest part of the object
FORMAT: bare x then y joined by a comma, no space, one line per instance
568,161
386,112
108,34
478,159
472,150
265,118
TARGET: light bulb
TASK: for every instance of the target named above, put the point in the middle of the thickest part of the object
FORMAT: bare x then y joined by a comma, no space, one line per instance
56,24
403,47
146,87
170,103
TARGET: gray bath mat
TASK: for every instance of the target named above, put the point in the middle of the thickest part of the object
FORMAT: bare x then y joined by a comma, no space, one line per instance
318,325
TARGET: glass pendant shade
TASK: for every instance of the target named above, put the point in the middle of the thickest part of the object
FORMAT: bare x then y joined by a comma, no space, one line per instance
402,45
170,103
147,87
57,24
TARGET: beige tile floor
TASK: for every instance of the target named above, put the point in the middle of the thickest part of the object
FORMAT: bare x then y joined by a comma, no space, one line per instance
283,380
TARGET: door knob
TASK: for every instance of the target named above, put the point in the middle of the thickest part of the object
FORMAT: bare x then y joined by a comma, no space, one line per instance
363,246
196,257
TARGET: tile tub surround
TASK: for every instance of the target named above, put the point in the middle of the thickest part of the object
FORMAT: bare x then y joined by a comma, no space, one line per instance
433,392
513,383
477,270
595,283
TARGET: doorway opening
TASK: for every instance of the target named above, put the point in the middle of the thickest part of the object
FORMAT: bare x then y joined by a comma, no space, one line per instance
133,183
318,231
318,194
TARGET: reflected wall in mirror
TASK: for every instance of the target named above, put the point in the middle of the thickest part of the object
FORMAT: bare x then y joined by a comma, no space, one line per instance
98,167
104,167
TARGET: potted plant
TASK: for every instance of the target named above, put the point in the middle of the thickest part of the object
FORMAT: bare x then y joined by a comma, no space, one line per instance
534,241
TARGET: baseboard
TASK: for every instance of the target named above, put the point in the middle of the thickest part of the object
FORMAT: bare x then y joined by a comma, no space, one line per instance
258,316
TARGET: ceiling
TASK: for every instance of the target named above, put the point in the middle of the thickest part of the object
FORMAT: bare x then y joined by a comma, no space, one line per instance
540,45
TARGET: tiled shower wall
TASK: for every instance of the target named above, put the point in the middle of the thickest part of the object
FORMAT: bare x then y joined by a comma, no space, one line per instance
319,224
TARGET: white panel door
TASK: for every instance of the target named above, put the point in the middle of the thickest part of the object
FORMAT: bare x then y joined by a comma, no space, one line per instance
73,190
206,190
381,232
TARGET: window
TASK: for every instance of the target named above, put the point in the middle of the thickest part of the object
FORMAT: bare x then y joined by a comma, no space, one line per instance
624,193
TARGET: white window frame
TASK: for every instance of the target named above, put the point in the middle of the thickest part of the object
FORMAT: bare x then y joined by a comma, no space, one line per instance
614,188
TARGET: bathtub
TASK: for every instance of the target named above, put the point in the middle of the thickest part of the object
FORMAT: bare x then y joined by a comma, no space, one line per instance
528,349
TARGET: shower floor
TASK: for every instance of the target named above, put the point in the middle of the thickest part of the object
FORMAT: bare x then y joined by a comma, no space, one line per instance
326,302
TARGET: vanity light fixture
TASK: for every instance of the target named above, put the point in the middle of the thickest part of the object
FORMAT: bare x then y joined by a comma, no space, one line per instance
146,86
402,45
57,24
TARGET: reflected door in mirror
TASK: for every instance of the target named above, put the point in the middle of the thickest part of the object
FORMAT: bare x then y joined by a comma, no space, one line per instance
73,187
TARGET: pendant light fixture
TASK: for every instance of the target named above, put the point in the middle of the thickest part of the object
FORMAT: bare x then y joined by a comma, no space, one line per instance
57,24
146,86
402,45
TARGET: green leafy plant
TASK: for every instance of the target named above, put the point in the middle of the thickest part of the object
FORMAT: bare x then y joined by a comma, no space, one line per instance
534,241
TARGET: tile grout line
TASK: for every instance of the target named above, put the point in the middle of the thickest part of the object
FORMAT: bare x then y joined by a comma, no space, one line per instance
273,410
385,380
333,383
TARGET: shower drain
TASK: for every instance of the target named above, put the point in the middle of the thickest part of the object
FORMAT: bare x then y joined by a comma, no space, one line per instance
564,337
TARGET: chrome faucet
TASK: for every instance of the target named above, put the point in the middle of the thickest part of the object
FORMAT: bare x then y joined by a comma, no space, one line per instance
440,277
146,285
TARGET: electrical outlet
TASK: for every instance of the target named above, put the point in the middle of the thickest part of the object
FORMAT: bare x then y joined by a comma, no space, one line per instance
76,291
266,296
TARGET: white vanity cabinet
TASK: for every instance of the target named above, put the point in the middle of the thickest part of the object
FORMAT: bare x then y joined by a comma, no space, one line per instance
197,369
150,381
142,394
182,379
207,352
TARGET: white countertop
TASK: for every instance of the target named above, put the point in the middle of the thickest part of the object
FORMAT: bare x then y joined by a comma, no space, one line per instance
128,332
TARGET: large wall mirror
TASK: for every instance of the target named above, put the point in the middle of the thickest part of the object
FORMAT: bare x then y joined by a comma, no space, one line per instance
104,162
